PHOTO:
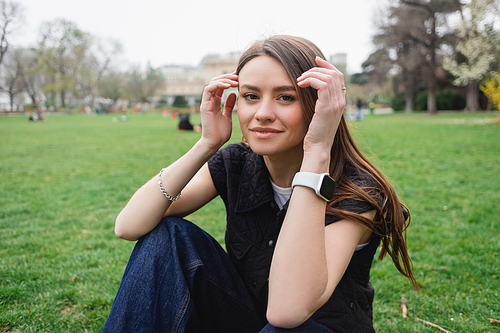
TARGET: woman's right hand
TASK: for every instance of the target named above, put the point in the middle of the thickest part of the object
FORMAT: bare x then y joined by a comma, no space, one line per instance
148,205
216,123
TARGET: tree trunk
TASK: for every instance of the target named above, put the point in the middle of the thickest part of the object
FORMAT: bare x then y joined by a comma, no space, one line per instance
95,92
11,98
409,105
34,101
63,97
409,89
53,92
472,96
431,96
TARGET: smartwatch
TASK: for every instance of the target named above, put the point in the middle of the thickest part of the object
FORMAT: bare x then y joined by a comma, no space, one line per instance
322,184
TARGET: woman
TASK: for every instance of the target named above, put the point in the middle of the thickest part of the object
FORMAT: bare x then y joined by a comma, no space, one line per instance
298,259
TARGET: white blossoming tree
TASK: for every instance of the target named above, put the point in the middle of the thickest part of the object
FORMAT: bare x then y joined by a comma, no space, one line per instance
476,46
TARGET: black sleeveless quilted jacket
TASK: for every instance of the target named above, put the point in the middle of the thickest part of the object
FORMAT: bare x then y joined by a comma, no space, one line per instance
253,223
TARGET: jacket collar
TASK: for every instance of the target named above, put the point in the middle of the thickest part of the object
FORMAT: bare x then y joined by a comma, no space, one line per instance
255,185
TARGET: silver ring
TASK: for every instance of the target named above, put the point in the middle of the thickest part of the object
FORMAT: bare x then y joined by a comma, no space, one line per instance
344,88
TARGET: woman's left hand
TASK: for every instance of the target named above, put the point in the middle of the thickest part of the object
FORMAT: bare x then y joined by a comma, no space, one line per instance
328,81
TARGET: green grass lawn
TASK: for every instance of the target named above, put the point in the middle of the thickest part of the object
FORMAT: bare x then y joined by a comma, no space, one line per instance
62,183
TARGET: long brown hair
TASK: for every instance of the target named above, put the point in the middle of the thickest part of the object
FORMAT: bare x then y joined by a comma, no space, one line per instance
298,55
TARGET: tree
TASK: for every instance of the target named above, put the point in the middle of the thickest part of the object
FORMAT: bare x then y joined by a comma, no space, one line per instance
154,82
435,16
105,51
135,84
108,83
409,37
476,49
11,19
32,74
111,85
140,86
399,49
491,88
11,81
65,49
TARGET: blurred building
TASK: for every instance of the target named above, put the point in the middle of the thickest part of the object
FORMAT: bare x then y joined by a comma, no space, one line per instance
181,80
189,81
215,65
339,60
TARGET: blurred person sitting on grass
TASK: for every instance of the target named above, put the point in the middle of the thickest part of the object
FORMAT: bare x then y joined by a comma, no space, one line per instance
306,211
185,124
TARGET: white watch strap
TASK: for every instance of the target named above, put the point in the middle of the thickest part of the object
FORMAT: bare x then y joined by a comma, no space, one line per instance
308,179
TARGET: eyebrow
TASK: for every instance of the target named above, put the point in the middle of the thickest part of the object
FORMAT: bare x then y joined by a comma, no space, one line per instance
276,89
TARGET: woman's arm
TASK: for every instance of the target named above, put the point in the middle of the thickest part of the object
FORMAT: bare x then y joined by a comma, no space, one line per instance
148,205
310,259
307,271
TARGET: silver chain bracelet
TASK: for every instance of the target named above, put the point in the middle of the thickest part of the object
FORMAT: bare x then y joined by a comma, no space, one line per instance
162,189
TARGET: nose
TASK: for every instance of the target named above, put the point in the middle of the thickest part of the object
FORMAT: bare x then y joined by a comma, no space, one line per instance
265,111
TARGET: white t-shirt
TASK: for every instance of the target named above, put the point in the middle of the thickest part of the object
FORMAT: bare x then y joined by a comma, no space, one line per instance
281,194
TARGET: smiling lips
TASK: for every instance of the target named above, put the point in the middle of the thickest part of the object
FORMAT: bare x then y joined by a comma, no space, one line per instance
264,132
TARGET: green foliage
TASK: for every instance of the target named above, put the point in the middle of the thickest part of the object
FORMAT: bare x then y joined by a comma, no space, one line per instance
420,101
112,86
65,180
398,102
63,48
180,101
359,78
446,100
449,100
50,103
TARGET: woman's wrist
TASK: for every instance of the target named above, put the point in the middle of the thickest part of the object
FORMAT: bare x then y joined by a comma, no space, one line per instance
316,162
206,147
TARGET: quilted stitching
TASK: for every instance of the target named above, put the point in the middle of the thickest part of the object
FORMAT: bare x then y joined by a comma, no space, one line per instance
253,223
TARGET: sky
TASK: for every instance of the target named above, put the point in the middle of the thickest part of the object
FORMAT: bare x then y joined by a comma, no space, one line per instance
165,32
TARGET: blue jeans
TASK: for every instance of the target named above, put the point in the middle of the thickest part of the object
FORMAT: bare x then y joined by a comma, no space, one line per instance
179,279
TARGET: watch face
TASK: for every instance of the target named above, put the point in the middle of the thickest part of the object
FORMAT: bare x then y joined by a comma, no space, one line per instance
327,187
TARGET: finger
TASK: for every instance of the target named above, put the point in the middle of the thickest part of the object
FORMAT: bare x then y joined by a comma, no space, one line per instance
216,88
231,82
326,94
328,89
229,105
321,81
232,76
323,63
316,83
322,72
324,66
331,72
219,92
334,80
324,76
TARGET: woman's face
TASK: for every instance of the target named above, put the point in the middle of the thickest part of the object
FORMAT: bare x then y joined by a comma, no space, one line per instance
269,110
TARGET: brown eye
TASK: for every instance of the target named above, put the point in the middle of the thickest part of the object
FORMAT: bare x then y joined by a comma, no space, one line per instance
286,98
250,96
